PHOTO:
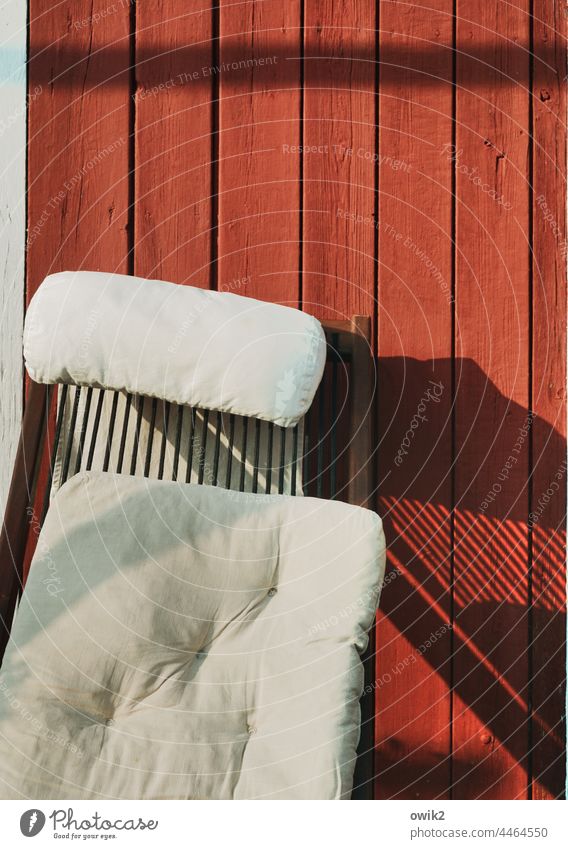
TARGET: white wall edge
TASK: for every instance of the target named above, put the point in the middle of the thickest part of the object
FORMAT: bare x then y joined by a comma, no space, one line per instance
13,103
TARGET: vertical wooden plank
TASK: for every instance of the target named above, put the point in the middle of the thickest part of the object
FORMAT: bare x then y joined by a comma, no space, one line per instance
490,708
338,170
259,134
548,501
339,158
12,229
174,122
78,154
415,394
79,132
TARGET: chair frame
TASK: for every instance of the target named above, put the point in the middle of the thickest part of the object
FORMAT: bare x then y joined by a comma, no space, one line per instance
348,342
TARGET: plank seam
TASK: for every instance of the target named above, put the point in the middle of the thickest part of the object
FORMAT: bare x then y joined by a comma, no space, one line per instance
375,318
530,447
215,145
453,425
375,328
131,216
301,162
26,198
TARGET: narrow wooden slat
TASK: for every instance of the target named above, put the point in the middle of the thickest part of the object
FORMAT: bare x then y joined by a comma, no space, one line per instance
256,455
78,131
361,491
281,468
333,424
110,432
295,449
163,445
307,454
62,399
321,434
71,434
20,499
490,705
414,235
548,661
83,431
191,447
338,163
202,446
151,434
230,450
124,433
361,486
217,448
95,431
269,462
179,430
259,162
243,455
136,441
174,120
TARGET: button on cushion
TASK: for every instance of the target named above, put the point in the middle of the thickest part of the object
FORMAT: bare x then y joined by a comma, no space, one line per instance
158,670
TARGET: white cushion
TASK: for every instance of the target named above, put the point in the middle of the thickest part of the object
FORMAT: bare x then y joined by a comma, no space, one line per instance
186,642
214,350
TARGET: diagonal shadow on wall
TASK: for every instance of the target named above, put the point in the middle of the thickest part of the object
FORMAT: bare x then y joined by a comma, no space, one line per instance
463,551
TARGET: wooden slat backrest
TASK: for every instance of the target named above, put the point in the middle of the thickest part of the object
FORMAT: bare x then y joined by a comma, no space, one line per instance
337,455
98,430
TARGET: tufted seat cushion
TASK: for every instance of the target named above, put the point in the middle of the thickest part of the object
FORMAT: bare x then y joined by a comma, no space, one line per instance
185,642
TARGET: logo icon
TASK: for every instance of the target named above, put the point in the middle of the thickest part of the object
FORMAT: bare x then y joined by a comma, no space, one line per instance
32,822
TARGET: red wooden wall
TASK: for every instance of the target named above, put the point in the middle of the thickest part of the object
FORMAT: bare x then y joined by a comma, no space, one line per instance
400,160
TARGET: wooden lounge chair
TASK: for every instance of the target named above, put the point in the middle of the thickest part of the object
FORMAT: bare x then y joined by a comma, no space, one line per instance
336,457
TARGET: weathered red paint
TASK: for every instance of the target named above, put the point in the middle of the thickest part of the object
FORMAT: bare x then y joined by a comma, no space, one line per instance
427,191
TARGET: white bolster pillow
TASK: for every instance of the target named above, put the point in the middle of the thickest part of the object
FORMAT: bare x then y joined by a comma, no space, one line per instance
213,350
